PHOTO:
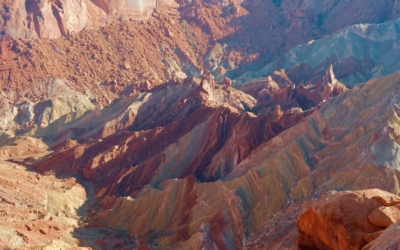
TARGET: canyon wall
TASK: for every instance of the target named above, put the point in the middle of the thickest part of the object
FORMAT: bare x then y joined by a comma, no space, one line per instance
56,18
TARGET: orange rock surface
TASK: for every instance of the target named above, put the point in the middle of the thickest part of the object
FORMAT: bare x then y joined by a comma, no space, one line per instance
348,220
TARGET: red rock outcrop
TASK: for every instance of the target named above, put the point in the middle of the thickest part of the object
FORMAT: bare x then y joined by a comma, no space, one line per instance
278,89
325,88
342,221
385,216
53,19
349,220
275,89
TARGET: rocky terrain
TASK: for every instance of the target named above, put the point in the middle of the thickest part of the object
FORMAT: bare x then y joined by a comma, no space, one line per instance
186,38
370,51
199,124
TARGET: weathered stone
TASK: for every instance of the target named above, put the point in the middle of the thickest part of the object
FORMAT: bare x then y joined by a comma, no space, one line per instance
385,216
340,222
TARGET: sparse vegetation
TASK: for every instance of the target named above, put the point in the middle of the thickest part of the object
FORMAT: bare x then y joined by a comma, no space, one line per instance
189,35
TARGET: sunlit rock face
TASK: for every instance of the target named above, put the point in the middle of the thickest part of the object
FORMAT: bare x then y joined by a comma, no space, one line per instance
53,19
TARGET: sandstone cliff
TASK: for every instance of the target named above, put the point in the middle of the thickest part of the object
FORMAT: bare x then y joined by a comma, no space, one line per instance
53,19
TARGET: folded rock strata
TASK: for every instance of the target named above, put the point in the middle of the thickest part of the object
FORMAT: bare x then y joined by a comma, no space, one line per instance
219,146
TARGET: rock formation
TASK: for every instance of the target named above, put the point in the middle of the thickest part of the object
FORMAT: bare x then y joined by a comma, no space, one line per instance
343,221
231,150
278,89
141,128
354,63
53,19
349,220
160,148
118,61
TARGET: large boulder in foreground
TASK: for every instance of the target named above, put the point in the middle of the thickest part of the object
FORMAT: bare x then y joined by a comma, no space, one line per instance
347,220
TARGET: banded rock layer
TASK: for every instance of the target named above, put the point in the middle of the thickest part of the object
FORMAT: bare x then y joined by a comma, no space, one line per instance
160,173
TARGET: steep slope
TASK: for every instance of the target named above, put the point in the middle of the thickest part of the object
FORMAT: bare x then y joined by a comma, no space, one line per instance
354,152
53,19
257,171
201,132
265,29
126,56
357,53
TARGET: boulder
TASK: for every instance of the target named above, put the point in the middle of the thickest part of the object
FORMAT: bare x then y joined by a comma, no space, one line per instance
340,222
388,239
385,216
